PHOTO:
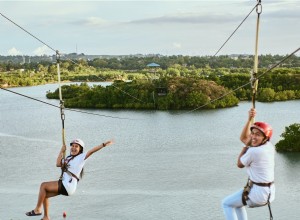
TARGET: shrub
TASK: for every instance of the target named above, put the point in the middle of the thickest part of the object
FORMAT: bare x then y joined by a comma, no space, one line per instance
291,139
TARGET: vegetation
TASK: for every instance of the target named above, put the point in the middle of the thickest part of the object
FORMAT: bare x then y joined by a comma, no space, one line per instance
291,139
186,79
180,82
139,62
172,93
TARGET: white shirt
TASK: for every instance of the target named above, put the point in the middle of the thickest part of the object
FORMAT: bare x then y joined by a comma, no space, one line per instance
259,162
75,167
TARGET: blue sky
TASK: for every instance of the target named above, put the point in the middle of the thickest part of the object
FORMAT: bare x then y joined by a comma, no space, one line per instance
148,27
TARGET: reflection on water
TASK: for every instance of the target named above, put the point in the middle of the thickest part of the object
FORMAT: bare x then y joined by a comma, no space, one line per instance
292,159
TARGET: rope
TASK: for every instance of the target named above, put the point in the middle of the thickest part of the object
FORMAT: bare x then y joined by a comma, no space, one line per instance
254,80
62,114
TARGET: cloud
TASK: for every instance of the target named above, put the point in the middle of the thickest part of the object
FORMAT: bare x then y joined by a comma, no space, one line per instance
43,50
93,21
191,18
14,52
177,45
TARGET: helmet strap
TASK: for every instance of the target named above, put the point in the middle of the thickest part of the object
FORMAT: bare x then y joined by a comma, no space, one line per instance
264,140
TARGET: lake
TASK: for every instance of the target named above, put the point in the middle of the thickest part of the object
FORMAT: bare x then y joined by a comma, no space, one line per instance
164,165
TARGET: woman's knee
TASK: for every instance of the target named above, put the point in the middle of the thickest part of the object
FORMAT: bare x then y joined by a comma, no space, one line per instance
48,186
43,185
225,202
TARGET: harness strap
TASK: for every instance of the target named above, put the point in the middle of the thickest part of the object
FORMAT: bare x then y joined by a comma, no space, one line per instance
263,184
247,189
270,211
70,173
269,206
73,175
244,199
64,168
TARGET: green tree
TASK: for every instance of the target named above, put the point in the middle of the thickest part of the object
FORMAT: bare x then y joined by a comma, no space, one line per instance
196,99
266,95
291,139
173,72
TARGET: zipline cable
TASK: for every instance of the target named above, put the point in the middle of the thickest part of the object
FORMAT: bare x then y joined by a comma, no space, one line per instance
27,32
235,30
68,109
220,97
242,86
104,79
274,66
111,84
56,51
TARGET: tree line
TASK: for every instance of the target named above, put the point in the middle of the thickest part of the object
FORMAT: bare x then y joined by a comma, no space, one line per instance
165,94
130,63
278,85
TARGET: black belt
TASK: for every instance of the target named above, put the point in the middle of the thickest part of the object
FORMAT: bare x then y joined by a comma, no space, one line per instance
263,184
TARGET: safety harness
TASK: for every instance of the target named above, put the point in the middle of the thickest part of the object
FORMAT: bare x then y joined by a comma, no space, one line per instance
247,190
64,168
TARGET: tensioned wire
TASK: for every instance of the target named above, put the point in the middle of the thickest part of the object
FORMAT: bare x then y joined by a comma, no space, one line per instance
274,66
68,59
235,30
69,109
242,86
56,51
212,56
220,97
51,48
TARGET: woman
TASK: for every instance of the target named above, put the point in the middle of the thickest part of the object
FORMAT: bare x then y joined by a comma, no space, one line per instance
258,158
72,168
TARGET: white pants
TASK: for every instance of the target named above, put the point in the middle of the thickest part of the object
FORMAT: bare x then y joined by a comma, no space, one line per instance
233,207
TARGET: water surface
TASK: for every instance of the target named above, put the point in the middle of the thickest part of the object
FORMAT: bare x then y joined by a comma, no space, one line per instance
164,165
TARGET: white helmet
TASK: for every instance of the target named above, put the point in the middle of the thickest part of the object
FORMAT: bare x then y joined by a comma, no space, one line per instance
78,141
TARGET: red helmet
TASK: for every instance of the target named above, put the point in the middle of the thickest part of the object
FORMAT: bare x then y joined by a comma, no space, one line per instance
265,128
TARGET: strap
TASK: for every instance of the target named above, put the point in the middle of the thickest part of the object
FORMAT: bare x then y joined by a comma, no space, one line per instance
64,166
269,206
244,199
73,175
263,184
246,191
270,211
268,202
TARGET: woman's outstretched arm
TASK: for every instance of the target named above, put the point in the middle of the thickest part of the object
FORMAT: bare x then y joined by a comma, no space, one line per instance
97,148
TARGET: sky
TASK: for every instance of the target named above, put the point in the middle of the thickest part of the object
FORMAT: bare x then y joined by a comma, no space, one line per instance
166,27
